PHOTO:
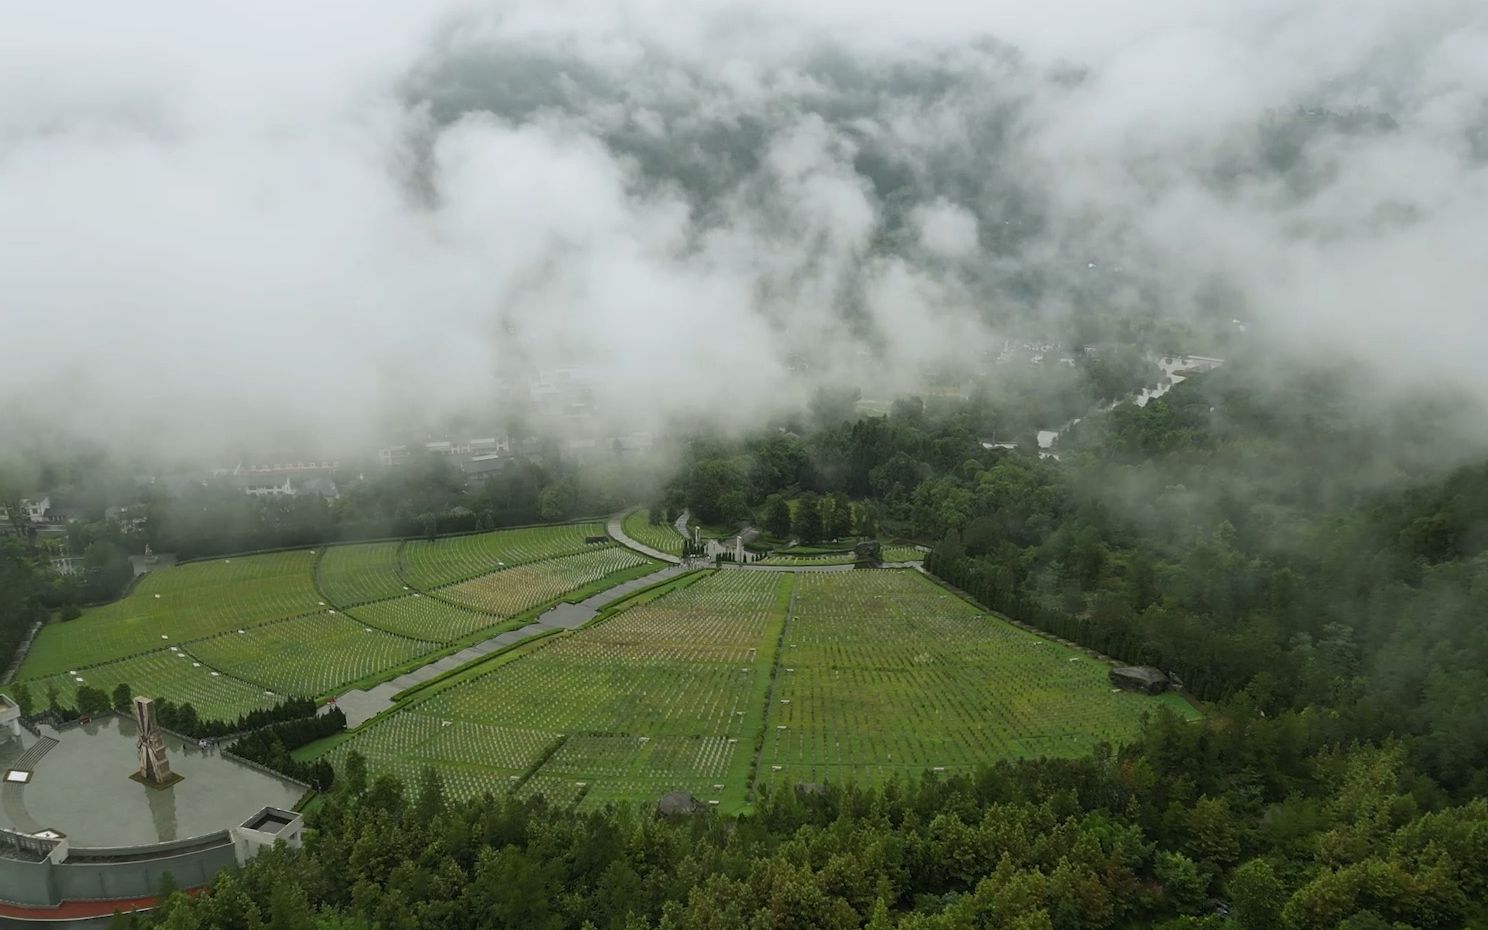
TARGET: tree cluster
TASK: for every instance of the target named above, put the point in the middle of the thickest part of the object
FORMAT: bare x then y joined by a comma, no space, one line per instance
272,746
1242,823
180,718
27,591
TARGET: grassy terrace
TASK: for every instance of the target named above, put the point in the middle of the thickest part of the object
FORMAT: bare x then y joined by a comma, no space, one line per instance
665,695
308,655
233,634
417,616
180,604
878,673
885,672
517,589
662,537
357,574
713,683
176,675
428,565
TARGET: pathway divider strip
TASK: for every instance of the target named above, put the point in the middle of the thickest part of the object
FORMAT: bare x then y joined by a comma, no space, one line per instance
763,733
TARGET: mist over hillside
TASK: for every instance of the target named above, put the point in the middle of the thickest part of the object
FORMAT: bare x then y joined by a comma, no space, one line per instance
313,224
678,464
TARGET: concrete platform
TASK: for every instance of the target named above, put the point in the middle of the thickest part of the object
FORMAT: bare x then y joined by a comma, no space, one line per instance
81,787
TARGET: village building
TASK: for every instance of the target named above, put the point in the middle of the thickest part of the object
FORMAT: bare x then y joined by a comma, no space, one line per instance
393,455
480,467
300,479
38,511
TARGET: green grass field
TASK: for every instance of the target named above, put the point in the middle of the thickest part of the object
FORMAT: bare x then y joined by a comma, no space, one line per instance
307,655
357,574
179,604
662,537
664,695
449,561
879,673
712,684
277,622
177,676
419,616
513,590
885,672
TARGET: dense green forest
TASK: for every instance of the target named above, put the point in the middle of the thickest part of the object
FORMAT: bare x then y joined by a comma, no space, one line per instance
26,588
1245,823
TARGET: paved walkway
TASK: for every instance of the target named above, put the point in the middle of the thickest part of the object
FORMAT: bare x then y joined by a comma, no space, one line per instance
617,532
362,705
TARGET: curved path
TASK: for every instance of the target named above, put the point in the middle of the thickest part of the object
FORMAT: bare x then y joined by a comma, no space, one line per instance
616,529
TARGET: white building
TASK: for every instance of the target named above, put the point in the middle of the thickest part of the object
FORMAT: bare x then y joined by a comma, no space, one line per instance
392,455
455,447
38,511
269,487
450,448
287,480
481,467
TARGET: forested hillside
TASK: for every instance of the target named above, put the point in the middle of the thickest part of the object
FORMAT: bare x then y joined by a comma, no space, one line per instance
1244,823
25,589
1290,549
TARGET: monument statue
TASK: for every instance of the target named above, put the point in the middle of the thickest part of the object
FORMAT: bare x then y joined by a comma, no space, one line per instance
154,765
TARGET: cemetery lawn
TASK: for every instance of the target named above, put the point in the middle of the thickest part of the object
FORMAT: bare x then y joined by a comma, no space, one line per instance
751,679
232,634
663,537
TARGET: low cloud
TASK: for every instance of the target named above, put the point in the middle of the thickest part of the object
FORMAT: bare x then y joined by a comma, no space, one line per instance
318,224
